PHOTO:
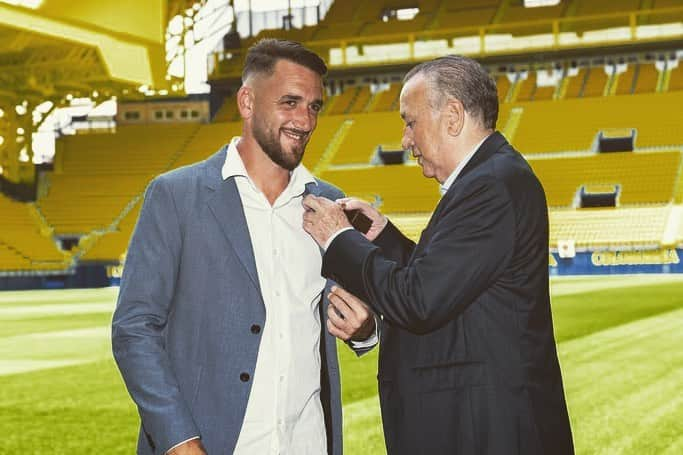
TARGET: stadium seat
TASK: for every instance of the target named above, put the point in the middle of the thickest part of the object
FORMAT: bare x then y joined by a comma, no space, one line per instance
572,124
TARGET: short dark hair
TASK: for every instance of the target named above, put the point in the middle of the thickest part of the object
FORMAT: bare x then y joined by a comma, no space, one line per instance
262,57
464,79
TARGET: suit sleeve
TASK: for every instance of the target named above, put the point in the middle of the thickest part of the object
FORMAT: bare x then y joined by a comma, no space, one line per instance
394,245
471,244
141,314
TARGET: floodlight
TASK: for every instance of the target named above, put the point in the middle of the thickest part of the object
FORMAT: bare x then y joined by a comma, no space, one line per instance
537,3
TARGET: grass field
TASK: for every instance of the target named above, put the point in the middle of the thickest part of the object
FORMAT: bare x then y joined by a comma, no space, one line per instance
620,342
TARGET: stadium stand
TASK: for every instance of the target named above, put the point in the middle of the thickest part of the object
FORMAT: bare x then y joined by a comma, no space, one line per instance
676,78
634,227
368,131
386,100
574,84
544,124
531,91
467,13
389,184
100,174
341,103
360,101
643,177
625,81
110,246
228,111
207,140
503,86
595,83
646,77
22,244
95,190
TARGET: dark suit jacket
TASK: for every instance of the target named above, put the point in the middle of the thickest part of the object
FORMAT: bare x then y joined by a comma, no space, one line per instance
187,326
468,363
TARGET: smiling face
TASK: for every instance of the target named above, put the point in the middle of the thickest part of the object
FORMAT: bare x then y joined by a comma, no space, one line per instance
424,131
285,112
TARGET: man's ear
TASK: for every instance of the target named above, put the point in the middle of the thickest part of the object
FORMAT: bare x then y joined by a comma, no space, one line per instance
455,117
245,101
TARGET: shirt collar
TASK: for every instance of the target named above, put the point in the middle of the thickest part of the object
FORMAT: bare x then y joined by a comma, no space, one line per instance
234,167
451,178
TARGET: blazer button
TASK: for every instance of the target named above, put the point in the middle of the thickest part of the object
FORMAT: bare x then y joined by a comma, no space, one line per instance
255,329
244,377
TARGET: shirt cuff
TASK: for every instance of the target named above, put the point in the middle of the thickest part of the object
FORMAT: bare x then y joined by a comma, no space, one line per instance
334,236
370,342
181,443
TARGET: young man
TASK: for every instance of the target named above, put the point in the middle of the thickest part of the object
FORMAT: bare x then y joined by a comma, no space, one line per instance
218,331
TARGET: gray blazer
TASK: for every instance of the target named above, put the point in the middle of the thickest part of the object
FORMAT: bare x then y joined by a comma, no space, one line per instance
187,325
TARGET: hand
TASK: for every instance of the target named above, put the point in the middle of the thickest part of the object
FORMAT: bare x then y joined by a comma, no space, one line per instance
379,221
323,218
191,447
348,317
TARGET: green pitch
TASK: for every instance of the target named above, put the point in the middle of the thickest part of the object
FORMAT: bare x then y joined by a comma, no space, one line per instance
619,340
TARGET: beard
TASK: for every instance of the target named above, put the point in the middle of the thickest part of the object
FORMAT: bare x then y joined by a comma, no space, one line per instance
269,142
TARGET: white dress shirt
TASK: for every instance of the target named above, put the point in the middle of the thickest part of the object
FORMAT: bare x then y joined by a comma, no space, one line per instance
284,414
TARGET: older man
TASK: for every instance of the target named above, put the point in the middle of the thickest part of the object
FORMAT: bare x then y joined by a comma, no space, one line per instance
468,362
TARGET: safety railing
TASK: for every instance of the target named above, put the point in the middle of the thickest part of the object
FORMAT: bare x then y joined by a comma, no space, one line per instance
648,25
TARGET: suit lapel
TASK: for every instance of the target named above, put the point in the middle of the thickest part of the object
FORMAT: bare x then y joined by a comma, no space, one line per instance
226,206
312,188
490,146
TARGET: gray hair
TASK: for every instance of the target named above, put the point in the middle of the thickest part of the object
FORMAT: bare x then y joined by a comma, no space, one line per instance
464,79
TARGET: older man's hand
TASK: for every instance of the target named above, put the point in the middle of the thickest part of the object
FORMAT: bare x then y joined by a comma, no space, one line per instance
348,317
323,218
378,220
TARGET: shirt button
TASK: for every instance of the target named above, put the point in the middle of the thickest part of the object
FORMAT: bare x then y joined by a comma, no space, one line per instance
244,377
255,329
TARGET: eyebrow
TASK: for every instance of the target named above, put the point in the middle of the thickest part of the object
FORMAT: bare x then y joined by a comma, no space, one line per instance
289,97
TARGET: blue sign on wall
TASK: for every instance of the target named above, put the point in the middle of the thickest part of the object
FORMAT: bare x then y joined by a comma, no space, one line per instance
618,262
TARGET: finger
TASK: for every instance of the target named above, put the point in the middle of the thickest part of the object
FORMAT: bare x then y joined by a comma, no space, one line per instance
336,331
353,204
337,317
356,305
352,320
344,308
311,202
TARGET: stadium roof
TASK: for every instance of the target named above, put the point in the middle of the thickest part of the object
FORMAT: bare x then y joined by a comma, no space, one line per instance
53,46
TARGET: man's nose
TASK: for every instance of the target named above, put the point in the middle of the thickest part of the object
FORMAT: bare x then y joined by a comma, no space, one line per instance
407,141
304,119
